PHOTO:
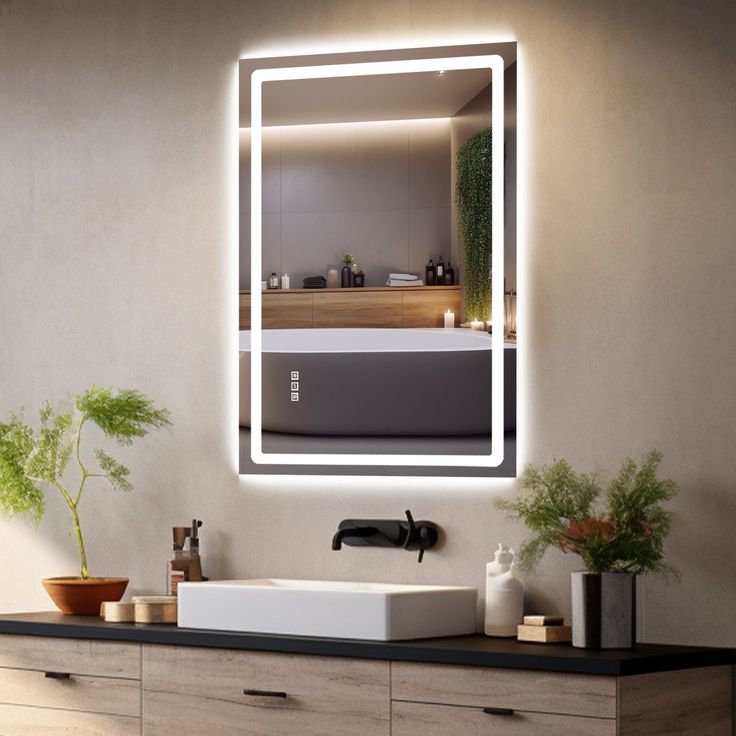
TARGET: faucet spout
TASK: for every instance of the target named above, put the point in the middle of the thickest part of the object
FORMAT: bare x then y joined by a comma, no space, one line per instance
356,532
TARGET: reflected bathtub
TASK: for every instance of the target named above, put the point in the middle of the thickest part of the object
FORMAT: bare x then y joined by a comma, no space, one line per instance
377,382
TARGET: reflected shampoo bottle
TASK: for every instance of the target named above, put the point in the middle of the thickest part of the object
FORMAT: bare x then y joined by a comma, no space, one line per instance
504,595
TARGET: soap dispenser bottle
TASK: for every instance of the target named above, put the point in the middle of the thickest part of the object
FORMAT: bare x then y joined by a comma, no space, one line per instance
504,595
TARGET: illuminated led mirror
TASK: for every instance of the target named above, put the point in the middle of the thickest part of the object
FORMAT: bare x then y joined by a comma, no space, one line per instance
378,263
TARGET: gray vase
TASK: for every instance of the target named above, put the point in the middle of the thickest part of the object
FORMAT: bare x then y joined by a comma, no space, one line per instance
603,610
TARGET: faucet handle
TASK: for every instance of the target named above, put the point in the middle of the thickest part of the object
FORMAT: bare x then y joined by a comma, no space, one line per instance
411,531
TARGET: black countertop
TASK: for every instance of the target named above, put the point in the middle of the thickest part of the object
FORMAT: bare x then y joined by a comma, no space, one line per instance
476,650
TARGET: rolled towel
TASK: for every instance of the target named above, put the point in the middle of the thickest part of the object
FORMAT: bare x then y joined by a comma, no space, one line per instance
402,277
399,282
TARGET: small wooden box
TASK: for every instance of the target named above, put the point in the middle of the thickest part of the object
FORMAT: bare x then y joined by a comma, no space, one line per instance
544,634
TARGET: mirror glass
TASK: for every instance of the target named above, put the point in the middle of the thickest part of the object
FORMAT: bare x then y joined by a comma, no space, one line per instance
367,305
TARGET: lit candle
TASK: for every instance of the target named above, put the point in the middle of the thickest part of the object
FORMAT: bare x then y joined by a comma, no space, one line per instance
449,319
477,324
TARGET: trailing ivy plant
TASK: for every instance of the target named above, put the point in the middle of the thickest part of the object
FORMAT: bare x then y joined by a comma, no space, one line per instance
473,199
621,529
32,460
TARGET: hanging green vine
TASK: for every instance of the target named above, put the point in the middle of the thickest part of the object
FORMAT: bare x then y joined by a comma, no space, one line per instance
473,199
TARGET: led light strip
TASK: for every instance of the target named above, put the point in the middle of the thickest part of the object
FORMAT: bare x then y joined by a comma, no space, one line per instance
258,77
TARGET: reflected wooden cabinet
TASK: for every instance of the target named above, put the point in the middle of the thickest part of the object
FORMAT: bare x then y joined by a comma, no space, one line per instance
366,307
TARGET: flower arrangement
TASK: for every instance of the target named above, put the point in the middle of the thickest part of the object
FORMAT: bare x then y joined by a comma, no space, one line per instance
348,259
621,529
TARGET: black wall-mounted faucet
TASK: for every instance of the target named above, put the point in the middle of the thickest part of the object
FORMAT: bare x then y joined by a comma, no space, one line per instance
409,534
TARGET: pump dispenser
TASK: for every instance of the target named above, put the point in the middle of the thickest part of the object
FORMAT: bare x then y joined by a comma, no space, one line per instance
504,595
186,565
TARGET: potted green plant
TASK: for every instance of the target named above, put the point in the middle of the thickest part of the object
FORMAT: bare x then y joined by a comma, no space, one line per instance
618,533
474,213
33,460
346,273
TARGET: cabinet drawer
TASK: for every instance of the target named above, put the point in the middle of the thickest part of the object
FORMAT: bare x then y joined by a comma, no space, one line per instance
418,719
16,720
426,308
75,656
372,309
189,691
114,696
549,692
286,311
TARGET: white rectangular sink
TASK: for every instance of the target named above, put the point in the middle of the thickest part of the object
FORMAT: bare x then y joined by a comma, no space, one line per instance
330,609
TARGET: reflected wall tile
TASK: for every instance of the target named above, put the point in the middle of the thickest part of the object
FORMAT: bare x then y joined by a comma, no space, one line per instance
271,168
429,163
320,164
271,252
311,241
429,237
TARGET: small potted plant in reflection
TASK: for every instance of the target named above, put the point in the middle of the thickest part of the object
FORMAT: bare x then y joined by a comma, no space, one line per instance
618,533
346,273
31,461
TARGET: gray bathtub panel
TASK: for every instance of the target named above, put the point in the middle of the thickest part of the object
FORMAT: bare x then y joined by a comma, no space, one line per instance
445,393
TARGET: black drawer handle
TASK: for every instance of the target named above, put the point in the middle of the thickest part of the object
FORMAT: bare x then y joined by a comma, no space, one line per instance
265,693
499,711
57,675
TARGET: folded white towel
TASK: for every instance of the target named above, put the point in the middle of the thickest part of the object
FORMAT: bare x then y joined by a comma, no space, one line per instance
399,282
402,277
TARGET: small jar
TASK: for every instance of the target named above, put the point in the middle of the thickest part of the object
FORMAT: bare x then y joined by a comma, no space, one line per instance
273,281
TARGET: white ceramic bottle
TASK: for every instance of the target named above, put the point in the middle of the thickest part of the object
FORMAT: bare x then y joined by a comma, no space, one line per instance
504,595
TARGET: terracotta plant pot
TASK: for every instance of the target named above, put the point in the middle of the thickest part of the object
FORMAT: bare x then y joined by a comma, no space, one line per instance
83,597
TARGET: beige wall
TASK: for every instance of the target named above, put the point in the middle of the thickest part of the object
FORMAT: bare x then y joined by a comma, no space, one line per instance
117,265
380,191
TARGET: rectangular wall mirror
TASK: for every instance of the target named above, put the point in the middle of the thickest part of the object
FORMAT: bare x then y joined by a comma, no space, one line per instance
377,325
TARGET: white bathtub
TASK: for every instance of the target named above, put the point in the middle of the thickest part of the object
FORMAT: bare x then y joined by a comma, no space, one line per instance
377,382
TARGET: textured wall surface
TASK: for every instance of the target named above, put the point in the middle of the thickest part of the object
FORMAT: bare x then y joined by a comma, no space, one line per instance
118,160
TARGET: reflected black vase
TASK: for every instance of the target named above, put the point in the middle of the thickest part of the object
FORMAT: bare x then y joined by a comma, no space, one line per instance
346,277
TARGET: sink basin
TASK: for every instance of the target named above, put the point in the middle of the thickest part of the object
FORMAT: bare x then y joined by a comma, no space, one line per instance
330,609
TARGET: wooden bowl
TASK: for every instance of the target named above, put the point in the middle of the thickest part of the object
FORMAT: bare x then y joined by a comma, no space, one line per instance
82,597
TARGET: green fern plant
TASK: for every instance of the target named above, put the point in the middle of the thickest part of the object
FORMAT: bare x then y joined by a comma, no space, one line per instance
621,529
473,199
30,461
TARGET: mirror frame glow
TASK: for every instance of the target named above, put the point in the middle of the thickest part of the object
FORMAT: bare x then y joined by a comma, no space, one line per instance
493,62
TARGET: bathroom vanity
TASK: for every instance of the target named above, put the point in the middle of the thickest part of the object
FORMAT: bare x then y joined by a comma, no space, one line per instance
83,677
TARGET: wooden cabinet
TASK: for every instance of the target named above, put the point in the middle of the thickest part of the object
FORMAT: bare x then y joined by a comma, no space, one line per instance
546,692
358,308
435,700
190,692
368,307
99,688
70,686
419,719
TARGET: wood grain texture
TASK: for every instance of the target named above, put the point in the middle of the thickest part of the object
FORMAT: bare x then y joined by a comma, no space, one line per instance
287,311
695,702
370,307
188,692
114,696
76,656
373,309
426,308
549,692
17,720
244,312
418,719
